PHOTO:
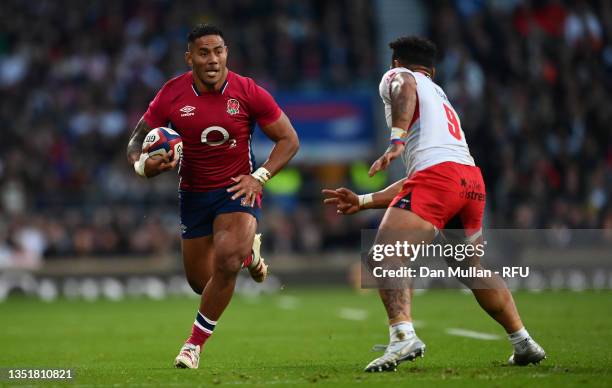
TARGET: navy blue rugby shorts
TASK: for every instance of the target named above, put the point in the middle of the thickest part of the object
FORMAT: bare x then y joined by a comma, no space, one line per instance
199,210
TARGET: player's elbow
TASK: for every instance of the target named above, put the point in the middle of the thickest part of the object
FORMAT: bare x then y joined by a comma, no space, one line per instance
132,157
295,145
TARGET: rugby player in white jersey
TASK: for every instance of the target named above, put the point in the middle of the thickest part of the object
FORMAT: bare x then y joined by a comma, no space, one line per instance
443,189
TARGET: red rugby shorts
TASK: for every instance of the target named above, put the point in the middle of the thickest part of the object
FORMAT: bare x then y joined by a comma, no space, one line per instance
449,195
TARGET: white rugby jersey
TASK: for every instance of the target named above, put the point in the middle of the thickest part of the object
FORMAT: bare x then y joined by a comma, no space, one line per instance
435,135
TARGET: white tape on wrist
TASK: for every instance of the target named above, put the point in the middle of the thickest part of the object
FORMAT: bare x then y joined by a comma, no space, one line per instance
262,175
398,135
139,165
365,199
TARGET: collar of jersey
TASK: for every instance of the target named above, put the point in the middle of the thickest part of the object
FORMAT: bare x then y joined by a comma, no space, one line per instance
223,87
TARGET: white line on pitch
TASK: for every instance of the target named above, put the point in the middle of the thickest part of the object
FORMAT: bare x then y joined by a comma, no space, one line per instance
352,314
472,334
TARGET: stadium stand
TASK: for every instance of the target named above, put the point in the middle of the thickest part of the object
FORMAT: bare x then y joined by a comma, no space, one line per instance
533,86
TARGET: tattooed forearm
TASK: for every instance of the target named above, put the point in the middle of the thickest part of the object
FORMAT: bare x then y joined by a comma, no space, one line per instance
136,139
403,100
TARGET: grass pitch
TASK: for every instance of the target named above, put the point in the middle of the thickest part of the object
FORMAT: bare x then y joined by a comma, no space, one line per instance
310,338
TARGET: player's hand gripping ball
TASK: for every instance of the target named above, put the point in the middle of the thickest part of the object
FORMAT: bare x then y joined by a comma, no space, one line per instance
160,141
162,150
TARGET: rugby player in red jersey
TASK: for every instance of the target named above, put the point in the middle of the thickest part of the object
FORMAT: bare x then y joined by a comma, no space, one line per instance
215,111
443,189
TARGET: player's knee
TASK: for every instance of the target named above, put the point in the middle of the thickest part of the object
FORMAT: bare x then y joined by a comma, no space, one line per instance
229,265
229,255
227,270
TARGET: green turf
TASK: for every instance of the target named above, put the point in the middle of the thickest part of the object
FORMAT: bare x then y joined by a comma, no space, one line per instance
298,338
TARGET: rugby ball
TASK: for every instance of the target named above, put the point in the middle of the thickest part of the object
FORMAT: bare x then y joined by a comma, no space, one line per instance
163,140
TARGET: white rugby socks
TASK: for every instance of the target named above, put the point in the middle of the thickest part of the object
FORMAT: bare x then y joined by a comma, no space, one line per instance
401,331
518,336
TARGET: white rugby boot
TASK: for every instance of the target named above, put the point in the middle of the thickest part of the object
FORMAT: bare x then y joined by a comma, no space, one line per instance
258,268
395,353
527,352
188,357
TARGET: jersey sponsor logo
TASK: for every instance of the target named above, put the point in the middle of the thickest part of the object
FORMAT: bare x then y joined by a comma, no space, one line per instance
233,106
215,136
187,111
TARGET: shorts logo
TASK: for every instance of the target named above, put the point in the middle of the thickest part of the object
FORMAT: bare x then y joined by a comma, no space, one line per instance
187,111
472,190
233,106
404,203
183,228
473,195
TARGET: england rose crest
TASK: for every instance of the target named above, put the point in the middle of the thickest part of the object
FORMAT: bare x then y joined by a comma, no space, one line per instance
233,106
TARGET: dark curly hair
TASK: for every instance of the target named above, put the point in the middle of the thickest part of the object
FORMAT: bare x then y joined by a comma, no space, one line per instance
202,30
414,50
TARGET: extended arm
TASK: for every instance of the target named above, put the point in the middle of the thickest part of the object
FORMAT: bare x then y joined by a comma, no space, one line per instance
382,199
347,202
403,103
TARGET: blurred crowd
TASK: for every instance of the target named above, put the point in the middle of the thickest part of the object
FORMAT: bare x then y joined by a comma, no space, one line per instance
531,80
533,83
76,76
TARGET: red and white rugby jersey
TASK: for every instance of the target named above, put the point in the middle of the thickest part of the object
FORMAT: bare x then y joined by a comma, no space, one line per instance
216,127
435,135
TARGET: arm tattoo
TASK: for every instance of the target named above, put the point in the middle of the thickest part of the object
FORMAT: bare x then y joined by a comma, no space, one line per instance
136,139
399,107
403,100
